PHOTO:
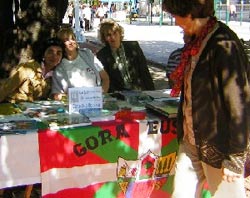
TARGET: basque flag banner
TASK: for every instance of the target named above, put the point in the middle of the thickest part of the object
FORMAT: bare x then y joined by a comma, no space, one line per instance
111,159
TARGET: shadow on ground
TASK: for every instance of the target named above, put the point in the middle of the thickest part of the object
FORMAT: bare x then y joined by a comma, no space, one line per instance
159,75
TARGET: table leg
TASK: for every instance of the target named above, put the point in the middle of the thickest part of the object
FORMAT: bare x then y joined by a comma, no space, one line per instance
28,191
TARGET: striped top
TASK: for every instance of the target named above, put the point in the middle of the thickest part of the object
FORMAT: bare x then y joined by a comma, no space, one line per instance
173,61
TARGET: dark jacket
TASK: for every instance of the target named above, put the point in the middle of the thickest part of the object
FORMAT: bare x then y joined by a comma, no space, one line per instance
221,102
138,68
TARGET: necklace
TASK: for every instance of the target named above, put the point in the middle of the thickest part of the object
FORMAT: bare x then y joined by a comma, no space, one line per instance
122,64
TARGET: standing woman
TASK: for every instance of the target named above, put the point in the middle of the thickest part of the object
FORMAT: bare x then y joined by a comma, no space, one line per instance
214,118
124,61
79,68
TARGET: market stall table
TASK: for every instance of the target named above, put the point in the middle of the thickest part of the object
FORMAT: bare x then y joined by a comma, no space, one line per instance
115,158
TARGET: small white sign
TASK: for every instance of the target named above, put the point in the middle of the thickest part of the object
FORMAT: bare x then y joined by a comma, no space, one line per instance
82,98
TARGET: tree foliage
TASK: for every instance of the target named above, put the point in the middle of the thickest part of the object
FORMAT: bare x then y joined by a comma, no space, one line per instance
24,24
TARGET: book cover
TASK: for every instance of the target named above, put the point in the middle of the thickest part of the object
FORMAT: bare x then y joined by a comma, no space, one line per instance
40,108
44,111
65,120
96,115
17,126
168,107
158,94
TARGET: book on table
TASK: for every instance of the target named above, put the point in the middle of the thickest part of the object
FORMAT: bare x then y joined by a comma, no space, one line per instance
65,120
17,124
42,108
158,94
54,115
167,107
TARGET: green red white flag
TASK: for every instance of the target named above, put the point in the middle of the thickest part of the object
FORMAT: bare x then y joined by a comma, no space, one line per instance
109,159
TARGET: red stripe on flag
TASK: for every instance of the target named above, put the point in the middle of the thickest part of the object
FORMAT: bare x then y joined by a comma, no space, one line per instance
168,130
56,151
89,192
167,138
160,193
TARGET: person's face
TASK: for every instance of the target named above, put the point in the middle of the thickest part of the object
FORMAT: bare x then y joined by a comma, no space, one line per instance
186,23
113,38
52,56
70,43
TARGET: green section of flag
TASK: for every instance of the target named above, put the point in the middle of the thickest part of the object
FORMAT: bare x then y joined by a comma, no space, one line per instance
109,149
206,194
79,133
115,150
109,189
170,147
168,186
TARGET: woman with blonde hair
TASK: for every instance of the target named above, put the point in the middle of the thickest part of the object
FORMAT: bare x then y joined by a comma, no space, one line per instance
124,61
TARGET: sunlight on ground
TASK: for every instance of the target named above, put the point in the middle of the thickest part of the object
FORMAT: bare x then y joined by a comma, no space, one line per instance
159,77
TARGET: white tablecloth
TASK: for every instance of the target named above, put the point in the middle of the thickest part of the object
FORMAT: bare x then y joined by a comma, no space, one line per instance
19,160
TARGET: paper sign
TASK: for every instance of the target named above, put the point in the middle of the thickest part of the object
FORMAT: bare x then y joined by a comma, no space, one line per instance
82,98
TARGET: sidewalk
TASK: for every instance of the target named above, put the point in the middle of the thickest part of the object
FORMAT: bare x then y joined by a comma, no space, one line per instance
157,42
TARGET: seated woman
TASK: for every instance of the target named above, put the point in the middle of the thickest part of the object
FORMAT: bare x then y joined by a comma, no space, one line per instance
79,68
31,80
124,61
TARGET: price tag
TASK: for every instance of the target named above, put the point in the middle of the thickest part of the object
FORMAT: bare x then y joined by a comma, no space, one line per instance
82,98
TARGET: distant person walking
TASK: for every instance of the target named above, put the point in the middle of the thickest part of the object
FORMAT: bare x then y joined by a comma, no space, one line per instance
86,16
100,12
233,14
70,13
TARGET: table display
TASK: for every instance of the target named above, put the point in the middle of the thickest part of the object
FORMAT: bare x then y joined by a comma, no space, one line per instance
110,158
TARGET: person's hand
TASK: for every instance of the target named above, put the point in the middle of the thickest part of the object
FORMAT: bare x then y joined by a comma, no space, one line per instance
58,96
229,176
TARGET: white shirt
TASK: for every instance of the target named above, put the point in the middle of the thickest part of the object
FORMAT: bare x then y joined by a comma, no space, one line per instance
76,73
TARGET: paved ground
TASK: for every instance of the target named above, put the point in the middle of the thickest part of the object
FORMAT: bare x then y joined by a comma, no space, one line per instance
157,42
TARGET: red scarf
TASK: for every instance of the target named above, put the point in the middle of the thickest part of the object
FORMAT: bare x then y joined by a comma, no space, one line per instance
190,49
